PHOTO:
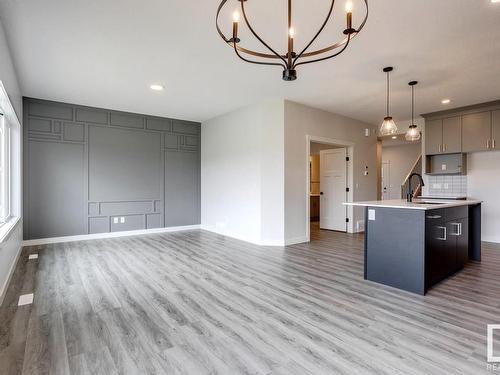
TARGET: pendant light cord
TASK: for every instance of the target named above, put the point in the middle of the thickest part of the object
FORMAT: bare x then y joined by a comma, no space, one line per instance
388,94
413,105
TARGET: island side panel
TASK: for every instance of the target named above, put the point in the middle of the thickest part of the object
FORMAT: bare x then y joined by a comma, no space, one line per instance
475,232
395,248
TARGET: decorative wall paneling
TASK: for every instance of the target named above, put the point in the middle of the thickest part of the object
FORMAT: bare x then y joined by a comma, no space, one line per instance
91,170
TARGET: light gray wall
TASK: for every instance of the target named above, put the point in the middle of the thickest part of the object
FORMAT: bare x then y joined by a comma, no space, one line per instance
300,121
243,173
317,147
401,159
85,166
10,247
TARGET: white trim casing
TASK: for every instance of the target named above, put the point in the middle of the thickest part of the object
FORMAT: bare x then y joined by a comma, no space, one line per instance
3,289
87,237
350,179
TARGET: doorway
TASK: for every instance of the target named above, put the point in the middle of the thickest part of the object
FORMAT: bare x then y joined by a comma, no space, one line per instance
328,181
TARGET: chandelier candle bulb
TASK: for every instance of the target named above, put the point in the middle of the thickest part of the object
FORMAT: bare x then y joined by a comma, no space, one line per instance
348,9
236,19
291,34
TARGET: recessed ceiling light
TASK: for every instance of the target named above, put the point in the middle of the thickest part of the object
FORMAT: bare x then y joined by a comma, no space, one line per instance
495,1
448,101
157,87
394,137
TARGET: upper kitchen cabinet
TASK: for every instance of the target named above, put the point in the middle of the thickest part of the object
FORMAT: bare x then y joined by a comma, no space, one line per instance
443,136
477,131
495,130
463,130
433,137
452,135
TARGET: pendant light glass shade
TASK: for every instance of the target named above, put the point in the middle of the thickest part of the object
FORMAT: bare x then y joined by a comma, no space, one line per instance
412,134
388,127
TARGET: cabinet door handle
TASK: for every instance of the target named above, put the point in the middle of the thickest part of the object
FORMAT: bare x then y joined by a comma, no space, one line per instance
444,234
488,144
445,147
493,144
440,147
458,229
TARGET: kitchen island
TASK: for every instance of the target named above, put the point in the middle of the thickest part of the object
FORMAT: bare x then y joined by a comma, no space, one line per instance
415,245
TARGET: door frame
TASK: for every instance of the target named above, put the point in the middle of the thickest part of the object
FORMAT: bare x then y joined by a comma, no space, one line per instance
350,178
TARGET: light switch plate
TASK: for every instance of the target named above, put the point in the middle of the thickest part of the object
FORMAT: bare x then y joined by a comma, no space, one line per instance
443,167
371,215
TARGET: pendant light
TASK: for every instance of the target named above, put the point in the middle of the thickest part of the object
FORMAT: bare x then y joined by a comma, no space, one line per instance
388,126
413,134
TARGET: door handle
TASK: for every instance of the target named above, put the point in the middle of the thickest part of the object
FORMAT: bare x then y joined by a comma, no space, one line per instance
459,229
444,234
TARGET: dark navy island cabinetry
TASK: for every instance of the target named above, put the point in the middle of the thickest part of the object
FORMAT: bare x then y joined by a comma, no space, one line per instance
415,245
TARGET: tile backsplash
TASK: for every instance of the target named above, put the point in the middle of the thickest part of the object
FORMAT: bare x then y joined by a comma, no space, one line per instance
446,186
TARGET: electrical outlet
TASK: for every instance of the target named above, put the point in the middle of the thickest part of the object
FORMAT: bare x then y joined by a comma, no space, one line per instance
446,186
122,220
443,167
115,220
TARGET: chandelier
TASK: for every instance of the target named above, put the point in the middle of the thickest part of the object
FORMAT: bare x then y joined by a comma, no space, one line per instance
290,59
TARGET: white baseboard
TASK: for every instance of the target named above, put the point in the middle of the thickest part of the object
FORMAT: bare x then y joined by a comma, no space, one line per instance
296,240
87,237
3,290
243,238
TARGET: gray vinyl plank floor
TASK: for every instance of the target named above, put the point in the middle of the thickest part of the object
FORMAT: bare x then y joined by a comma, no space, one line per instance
199,303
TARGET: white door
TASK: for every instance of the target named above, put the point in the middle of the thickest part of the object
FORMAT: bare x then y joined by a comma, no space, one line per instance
386,180
333,184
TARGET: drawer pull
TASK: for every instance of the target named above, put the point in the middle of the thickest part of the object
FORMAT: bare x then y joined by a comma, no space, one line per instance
458,229
444,234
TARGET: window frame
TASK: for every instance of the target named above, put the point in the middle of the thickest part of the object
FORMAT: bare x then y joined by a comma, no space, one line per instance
5,170
12,160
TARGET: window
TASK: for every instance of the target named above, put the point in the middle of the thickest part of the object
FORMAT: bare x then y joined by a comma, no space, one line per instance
10,167
5,169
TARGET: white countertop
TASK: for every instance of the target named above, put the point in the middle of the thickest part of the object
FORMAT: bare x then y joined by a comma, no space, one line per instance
415,205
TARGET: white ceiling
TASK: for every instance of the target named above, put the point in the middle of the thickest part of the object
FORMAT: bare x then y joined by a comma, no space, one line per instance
106,53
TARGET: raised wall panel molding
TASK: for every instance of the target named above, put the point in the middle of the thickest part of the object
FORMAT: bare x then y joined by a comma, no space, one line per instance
93,116
50,109
40,125
164,125
127,144
44,137
185,127
74,132
127,120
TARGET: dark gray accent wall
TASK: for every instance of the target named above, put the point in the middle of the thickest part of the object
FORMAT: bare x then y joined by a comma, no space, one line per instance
91,170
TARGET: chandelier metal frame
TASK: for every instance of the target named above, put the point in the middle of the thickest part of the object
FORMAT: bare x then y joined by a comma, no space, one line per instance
290,60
